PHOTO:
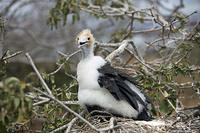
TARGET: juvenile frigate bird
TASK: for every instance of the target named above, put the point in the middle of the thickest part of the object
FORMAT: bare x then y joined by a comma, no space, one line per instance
101,87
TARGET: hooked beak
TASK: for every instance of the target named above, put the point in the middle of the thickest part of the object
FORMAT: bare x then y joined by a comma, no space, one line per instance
81,44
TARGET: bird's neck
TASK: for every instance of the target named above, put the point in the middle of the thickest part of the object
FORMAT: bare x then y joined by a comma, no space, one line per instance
87,52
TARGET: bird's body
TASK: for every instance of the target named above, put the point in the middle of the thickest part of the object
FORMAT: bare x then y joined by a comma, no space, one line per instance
101,87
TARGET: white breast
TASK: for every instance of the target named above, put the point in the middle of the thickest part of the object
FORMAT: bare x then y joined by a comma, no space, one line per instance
88,74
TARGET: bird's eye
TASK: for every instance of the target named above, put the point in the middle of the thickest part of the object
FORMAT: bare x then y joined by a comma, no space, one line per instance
88,38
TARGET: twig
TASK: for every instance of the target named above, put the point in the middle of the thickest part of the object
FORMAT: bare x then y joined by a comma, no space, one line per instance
46,100
41,102
59,129
146,31
71,76
143,63
71,102
168,100
12,55
192,107
185,85
115,12
58,69
108,44
67,58
118,51
38,74
65,102
68,124
71,123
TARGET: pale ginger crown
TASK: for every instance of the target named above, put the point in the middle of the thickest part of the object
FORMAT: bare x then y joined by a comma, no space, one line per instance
85,37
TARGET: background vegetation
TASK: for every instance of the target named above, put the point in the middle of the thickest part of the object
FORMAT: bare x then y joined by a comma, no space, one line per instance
158,42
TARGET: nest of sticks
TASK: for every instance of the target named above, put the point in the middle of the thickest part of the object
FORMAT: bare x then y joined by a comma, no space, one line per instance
179,122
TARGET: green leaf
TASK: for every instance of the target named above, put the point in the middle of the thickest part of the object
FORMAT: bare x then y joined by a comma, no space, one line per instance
164,107
16,102
3,128
73,19
67,68
159,86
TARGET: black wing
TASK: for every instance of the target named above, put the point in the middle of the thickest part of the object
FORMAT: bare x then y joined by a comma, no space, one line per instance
113,80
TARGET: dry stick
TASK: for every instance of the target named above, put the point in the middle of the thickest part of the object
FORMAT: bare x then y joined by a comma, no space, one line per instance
118,51
12,55
173,52
108,44
71,102
108,11
46,100
38,74
185,85
71,111
192,107
168,100
58,69
147,66
146,31
68,124
67,58
71,123
41,102
65,102
60,128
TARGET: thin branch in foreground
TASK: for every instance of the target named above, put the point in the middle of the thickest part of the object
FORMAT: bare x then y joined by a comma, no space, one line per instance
43,100
38,74
118,51
192,107
71,123
67,58
12,55
58,69
76,114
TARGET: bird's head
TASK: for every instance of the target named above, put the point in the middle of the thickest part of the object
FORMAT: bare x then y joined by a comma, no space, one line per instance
85,39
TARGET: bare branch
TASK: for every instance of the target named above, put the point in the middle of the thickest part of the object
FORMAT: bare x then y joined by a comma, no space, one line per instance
118,51
116,12
38,74
44,100
71,123
192,107
61,65
12,55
